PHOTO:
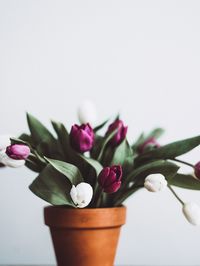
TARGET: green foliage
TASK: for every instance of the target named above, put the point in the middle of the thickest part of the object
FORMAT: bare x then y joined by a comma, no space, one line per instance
104,143
60,166
69,170
97,128
39,132
185,181
170,151
155,133
93,163
122,152
63,138
166,168
52,187
41,138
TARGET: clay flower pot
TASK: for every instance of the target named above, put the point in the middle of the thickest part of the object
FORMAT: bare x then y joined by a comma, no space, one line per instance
85,237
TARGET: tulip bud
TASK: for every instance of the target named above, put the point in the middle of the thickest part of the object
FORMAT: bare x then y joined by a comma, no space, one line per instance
7,161
81,194
155,182
120,134
197,170
18,151
82,137
151,142
87,113
110,178
4,141
192,213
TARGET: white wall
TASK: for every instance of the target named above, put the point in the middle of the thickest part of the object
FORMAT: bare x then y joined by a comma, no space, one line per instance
139,57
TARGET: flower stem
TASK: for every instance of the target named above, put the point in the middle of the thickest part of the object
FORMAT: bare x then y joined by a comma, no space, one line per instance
98,197
183,162
174,193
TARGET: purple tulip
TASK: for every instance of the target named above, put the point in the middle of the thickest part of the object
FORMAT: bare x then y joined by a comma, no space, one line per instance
120,134
18,151
148,143
197,170
110,178
82,137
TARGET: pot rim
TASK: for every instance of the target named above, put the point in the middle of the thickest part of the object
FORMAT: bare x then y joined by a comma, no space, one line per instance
82,209
63,217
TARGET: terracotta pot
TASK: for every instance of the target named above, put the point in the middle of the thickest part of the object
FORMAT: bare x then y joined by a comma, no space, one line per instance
85,237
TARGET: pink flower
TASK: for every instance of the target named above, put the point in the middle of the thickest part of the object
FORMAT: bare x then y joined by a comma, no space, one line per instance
110,178
18,151
148,143
197,170
120,134
82,137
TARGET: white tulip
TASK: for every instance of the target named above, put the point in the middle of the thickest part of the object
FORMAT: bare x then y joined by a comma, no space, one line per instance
155,182
7,161
192,213
87,112
81,194
4,141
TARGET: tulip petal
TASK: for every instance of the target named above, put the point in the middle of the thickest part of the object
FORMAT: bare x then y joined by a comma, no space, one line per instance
81,194
111,179
113,188
120,134
155,182
118,170
192,213
81,137
18,151
103,175
87,112
7,161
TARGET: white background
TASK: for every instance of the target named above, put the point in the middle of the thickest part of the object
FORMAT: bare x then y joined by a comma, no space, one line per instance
141,58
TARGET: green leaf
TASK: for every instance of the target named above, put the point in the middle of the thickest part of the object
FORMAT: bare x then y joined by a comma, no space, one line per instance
26,138
52,187
170,151
35,163
95,164
139,140
105,142
19,141
117,117
185,181
32,166
165,168
39,132
97,146
121,153
155,133
97,128
63,137
67,169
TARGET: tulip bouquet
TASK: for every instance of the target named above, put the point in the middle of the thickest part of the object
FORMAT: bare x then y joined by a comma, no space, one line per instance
83,168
